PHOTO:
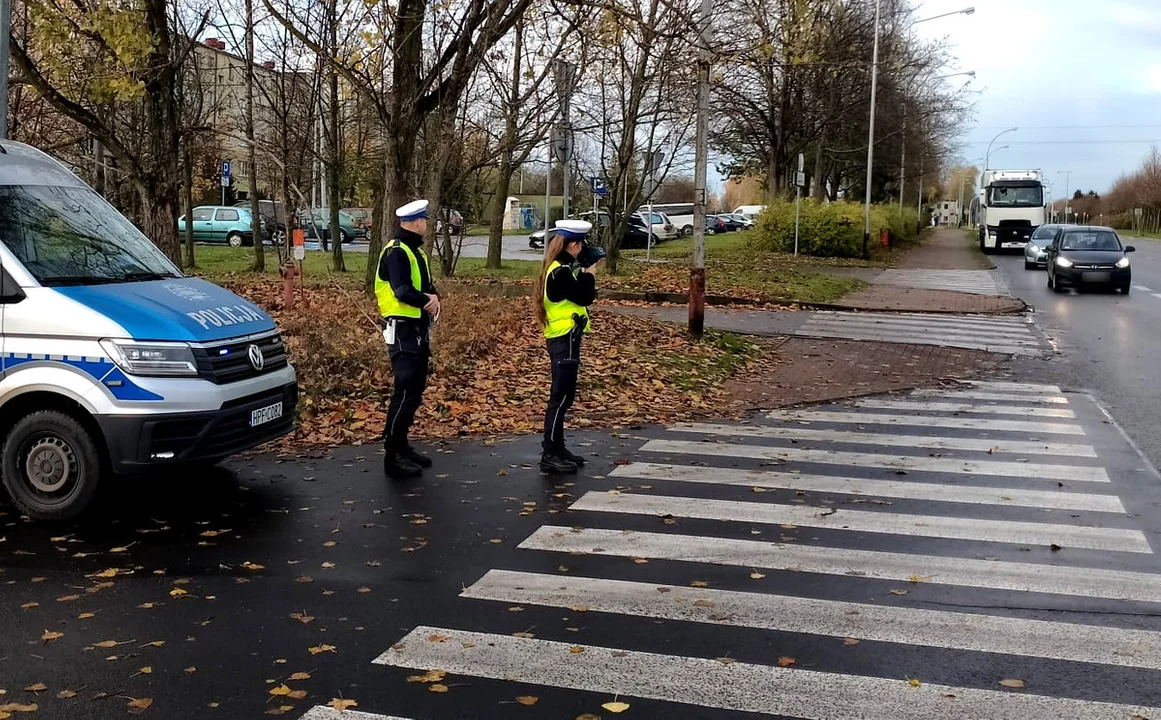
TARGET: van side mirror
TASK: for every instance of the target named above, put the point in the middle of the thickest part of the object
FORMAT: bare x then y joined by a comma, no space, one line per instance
10,292
1130,248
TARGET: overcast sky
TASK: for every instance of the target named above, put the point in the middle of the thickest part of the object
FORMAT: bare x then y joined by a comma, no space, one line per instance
1080,78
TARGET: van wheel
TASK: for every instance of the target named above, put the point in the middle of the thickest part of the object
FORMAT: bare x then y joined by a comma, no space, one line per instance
50,465
687,231
234,240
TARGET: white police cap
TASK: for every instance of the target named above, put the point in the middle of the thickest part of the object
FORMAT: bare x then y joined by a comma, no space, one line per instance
416,210
573,229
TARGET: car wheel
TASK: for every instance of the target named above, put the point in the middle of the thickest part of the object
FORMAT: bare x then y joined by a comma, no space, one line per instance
50,465
279,237
687,231
343,238
234,240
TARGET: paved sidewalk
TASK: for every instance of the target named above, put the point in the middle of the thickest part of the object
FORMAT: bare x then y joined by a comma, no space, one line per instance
894,298
945,249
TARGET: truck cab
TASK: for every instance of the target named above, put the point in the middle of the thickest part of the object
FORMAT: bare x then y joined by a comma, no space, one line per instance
111,361
1011,208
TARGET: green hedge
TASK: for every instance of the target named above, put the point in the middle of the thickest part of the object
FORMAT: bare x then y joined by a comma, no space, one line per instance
828,229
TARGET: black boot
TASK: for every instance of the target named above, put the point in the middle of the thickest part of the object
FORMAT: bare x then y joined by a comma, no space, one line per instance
398,467
564,452
415,457
554,464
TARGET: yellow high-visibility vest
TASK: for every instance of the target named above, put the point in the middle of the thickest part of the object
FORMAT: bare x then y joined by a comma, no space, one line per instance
559,321
389,305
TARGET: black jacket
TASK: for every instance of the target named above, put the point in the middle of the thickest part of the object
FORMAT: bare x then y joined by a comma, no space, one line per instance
395,268
562,284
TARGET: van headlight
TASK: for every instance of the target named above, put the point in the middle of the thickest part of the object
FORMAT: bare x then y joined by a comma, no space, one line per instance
1063,262
1123,262
152,358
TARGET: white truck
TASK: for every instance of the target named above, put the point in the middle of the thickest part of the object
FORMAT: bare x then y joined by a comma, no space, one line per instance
1011,208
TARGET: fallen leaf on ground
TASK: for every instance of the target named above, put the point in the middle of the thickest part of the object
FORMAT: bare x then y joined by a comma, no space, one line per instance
615,706
29,605
147,670
191,669
327,566
50,636
177,592
155,643
899,592
914,682
342,704
437,638
86,616
430,676
527,699
109,643
304,579
726,660
363,590
330,543
588,716
297,695
253,566
68,598
703,603
280,710
280,691
437,688
699,583
321,649
110,573
139,705
579,608
576,649
850,641
300,676
1010,683
756,576
302,618
146,606
66,694
37,687
786,661
18,707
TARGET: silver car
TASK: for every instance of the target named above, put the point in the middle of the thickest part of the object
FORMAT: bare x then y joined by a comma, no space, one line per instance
1034,252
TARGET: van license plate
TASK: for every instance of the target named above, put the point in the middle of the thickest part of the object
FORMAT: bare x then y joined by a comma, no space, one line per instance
261,416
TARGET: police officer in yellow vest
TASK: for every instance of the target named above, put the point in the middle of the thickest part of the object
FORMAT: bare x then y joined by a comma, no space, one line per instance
564,292
409,304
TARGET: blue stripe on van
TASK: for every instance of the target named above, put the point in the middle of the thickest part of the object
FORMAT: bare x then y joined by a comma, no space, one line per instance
101,369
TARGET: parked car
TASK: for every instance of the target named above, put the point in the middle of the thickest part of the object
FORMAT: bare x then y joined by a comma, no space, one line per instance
738,221
1036,251
1079,257
635,233
663,228
278,221
457,221
217,224
317,224
715,224
363,216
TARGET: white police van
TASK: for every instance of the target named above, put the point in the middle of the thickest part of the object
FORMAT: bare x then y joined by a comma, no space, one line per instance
112,361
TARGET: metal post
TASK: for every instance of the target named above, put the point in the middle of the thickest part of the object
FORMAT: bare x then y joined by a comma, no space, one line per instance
797,214
919,203
547,193
649,225
5,31
701,161
871,135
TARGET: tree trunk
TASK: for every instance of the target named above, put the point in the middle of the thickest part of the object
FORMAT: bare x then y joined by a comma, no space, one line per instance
504,176
187,158
160,213
164,130
334,167
251,143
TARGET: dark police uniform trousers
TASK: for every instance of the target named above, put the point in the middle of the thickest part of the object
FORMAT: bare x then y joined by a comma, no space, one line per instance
410,356
564,353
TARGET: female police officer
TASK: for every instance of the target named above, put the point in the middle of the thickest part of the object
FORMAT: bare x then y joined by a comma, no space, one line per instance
562,299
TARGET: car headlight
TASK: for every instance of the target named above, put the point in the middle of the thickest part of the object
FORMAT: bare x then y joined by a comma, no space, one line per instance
152,358
1033,248
1123,262
1063,262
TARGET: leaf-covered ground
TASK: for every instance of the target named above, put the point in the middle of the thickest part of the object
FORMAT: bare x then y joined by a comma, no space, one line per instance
491,369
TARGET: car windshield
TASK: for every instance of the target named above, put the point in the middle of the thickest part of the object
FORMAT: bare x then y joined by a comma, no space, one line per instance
1099,240
1015,196
1044,232
71,236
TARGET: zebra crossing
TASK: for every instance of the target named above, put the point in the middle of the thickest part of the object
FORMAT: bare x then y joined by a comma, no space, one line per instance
1000,334
975,282
945,545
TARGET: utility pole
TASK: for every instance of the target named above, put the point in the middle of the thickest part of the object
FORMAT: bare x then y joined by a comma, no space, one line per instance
871,136
700,163
564,73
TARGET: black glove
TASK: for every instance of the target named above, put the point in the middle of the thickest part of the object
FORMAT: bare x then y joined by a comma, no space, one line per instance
580,321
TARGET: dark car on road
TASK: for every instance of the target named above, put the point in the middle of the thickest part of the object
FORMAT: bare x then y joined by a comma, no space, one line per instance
1080,257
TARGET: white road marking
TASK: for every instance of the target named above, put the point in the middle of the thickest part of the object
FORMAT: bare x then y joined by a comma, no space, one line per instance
950,407
960,423
929,526
322,712
1014,387
1085,582
996,396
958,466
786,613
908,490
797,432
706,683
1142,288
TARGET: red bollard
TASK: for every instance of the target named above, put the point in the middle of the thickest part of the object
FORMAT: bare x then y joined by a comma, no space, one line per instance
289,273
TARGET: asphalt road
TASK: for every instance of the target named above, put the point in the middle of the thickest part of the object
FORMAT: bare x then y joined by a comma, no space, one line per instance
901,556
515,247
1109,344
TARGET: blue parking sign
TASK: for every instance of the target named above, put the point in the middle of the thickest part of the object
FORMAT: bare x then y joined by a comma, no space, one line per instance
598,186
226,168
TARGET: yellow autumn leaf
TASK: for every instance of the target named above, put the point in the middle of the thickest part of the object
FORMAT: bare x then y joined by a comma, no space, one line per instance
147,670
850,641
50,636
327,566
1010,683
576,649
139,705
527,699
68,598
280,691
341,704
66,694
579,608
302,618
699,584
86,616
437,688
119,550
318,649
17,707
146,606
914,682
37,687
299,676
253,566
703,603
330,543
177,592
155,643
616,707
428,677
110,573
29,605
756,576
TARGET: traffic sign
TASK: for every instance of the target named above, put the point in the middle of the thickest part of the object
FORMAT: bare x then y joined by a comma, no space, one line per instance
598,186
562,143
225,173
800,179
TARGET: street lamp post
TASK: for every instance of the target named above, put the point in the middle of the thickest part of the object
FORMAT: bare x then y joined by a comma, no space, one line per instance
988,154
1067,175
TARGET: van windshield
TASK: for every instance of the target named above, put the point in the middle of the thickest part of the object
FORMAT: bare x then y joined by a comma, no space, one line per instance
71,236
